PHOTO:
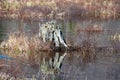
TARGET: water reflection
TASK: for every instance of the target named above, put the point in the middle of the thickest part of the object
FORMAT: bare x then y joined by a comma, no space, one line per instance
102,69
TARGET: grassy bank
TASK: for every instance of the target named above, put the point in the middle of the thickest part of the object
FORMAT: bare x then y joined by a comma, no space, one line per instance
30,9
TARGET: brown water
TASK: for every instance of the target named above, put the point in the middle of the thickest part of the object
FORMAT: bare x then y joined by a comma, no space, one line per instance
98,63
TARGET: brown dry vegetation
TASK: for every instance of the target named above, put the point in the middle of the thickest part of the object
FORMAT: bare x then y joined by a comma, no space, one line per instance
30,9
4,76
18,44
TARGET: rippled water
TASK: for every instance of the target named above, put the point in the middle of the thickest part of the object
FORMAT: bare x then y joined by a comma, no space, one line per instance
102,64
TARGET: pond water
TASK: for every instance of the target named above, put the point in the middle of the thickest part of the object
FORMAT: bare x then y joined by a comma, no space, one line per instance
103,64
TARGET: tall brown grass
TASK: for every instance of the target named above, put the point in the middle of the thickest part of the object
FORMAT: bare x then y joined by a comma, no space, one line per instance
18,44
100,9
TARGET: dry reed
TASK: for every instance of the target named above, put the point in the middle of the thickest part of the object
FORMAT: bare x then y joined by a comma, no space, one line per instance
18,44
100,9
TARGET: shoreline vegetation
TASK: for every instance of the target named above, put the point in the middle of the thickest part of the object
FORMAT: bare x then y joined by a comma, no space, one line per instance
60,9
20,44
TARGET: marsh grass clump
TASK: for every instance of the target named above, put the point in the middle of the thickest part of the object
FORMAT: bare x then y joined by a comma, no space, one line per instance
114,41
115,37
4,76
18,44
